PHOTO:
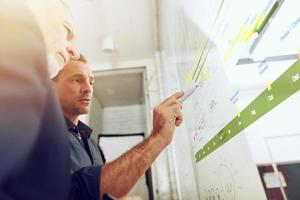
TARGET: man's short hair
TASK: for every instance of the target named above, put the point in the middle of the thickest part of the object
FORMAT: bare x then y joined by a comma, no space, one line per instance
82,59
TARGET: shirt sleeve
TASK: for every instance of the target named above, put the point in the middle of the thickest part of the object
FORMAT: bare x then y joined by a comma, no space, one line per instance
85,183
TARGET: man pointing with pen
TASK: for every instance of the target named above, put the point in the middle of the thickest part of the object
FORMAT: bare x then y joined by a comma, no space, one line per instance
73,82
33,139
74,87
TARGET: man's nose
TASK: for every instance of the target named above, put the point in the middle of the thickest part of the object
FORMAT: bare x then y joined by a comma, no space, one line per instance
87,88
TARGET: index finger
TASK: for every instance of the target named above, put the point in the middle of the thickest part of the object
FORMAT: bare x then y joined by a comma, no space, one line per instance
173,98
177,95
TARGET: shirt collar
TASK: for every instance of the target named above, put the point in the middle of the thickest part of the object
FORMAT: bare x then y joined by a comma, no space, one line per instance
82,128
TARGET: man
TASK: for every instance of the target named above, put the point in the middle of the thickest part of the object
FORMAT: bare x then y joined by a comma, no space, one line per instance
34,162
34,151
84,152
74,87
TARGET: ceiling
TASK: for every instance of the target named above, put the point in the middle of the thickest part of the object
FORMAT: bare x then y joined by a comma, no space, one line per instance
119,88
131,24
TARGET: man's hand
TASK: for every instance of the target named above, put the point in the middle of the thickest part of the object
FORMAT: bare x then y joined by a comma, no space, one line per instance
167,116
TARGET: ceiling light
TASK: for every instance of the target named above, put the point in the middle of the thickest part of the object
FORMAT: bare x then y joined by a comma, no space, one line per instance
108,45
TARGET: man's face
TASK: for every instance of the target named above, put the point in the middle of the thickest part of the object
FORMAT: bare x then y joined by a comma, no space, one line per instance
74,87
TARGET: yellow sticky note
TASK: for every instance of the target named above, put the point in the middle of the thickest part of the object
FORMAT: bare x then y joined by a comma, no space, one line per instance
254,26
234,43
244,31
188,77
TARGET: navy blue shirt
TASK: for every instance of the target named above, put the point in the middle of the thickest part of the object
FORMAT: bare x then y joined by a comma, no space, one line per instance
86,161
85,184
84,152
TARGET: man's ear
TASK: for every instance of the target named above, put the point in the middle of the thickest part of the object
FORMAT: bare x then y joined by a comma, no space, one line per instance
54,82
56,78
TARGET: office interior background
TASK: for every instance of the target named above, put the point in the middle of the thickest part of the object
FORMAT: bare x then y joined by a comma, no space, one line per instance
241,136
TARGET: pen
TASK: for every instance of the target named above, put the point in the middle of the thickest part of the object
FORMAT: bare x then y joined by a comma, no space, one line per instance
188,92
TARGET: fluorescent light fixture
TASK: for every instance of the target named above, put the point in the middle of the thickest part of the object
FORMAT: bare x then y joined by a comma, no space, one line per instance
108,45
